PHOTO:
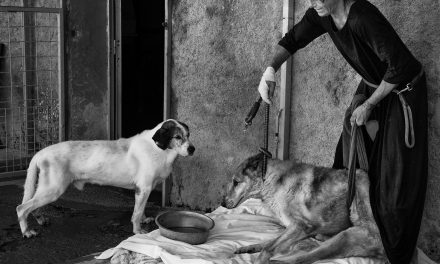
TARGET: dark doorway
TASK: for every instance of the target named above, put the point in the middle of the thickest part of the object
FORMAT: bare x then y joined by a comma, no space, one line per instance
142,69
142,66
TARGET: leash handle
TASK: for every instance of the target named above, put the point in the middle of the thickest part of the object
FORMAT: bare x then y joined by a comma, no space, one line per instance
352,167
357,153
250,116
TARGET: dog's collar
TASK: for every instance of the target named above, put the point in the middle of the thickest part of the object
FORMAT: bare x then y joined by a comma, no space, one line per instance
266,154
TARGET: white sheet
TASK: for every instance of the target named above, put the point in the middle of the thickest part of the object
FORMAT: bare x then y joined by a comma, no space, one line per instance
248,224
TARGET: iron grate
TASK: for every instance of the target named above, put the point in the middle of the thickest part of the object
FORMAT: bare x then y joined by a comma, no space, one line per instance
30,85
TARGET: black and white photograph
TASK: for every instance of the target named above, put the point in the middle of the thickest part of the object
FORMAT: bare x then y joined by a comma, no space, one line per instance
219,132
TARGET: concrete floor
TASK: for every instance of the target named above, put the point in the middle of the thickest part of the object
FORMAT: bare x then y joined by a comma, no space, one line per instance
76,228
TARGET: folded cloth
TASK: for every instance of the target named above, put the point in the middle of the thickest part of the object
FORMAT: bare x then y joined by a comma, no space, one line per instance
250,223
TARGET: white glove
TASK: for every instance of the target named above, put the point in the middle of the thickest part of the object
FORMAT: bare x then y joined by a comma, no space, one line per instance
263,88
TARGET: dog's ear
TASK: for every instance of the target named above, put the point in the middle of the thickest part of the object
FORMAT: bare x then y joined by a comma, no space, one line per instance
162,137
254,165
256,161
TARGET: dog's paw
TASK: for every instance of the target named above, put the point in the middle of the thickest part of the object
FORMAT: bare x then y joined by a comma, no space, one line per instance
139,231
29,233
249,249
43,220
147,220
143,231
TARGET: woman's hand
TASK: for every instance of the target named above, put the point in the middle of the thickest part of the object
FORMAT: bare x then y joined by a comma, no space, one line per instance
267,85
361,114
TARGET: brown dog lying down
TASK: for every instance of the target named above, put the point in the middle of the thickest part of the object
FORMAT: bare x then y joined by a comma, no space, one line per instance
311,202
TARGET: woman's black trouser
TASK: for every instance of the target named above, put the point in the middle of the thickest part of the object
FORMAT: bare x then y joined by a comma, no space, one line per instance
398,174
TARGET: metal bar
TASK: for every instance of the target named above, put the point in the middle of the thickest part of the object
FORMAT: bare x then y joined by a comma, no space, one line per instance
33,56
25,116
41,70
11,85
167,86
114,40
42,41
12,178
286,87
6,138
12,152
111,63
36,90
62,96
118,49
29,77
8,175
51,99
18,182
39,26
30,9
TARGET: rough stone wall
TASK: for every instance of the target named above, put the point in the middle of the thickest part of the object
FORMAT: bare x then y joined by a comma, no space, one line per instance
220,49
219,53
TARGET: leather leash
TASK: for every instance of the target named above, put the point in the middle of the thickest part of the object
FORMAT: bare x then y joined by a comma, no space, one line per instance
248,121
357,152
407,113
264,149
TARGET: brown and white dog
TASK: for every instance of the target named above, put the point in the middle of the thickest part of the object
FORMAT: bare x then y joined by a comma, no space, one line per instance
311,202
139,163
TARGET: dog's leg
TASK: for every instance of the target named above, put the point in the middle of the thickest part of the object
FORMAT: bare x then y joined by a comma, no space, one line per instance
44,195
293,233
146,220
354,241
141,197
50,186
253,248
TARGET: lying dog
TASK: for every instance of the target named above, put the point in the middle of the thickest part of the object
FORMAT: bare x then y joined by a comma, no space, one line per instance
311,202
139,163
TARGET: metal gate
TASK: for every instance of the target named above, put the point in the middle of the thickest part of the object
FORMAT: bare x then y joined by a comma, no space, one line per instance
31,84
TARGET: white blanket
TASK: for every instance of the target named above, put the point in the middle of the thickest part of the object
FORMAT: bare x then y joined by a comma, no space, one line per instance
248,224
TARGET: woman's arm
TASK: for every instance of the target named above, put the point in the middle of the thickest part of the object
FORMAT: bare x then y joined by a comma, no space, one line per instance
281,55
305,31
362,113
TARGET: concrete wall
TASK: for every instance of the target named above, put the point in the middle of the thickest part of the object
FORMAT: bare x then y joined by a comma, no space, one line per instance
221,48
88,69
219,51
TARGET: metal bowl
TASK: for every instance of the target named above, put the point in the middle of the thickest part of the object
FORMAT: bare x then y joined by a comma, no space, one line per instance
185,226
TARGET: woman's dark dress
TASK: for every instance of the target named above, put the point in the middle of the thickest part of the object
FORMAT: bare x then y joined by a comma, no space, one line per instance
397,173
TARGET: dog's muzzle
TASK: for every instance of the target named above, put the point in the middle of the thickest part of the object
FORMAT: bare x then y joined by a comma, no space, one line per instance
191,150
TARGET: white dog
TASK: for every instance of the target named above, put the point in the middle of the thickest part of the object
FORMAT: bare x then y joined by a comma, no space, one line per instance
139,163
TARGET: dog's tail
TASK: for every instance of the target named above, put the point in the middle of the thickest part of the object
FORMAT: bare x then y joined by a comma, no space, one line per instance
31,180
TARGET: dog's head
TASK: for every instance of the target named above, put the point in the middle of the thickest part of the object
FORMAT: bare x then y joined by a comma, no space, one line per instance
174,135
246,181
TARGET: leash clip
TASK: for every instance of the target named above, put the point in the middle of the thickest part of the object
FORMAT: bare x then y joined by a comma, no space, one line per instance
408,88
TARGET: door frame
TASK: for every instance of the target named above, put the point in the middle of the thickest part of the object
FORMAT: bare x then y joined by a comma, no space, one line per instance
115,41
115,69
166,184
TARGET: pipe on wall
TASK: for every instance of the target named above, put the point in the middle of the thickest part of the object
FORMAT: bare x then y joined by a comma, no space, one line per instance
285,87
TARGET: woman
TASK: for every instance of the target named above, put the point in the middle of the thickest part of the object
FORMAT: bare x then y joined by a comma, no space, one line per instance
397,160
